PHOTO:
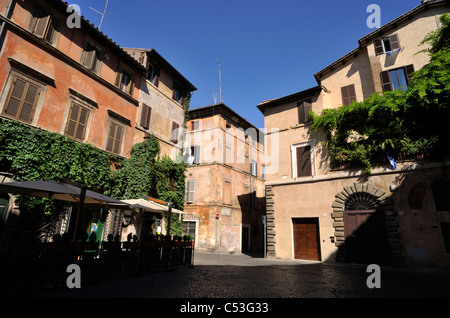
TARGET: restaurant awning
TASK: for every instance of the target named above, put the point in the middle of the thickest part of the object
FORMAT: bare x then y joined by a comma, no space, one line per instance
150,206
64,190
57,190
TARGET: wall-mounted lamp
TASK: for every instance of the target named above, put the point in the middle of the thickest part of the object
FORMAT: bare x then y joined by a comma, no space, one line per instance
332,239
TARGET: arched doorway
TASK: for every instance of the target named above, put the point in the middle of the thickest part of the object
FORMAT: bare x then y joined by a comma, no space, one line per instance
365,232
360,214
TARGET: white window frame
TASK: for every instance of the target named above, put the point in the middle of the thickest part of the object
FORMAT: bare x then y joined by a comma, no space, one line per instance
253,167
122,142
75,100
194,182
8,86
294,147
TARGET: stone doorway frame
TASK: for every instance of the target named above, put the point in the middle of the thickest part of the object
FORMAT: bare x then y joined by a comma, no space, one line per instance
390,219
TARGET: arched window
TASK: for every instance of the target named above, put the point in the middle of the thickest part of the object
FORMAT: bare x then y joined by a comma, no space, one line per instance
360,201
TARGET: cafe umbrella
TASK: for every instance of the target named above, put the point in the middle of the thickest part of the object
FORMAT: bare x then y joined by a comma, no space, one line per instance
64,190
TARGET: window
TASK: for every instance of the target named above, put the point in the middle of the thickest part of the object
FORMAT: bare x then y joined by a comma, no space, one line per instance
303,108
386,44
193,155
396,79
174,133
190,191
153,74
22,99
115,137
195,125
43,25
123,81
227,192
263,172
146,114
253,167
77,122
91,57
178,94
302,160
348,94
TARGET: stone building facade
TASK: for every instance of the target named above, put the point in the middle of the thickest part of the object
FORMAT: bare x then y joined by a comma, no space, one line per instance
319,212
225,180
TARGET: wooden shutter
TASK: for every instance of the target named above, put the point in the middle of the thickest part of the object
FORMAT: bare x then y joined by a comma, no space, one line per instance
77,121
190,191
348,94
118,139
395,43
304,161
386,81
112,132
118,78
22,100
42,22
196,153
90,56
195,125
145,116
227,192
15,97
157,75
114,138
409,69
50,30
174,134
303,108
72,120
82,120
378,47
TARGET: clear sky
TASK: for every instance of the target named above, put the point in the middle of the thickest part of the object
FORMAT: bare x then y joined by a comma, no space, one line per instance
267,48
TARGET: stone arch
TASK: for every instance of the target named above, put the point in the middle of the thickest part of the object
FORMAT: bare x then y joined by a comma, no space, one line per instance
382,201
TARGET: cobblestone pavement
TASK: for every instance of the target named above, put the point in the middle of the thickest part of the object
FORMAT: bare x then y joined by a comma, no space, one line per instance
241,276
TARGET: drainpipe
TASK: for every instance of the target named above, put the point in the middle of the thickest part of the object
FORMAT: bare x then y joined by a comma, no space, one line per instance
2,29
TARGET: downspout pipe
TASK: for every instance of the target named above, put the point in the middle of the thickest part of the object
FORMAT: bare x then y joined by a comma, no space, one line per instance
3,29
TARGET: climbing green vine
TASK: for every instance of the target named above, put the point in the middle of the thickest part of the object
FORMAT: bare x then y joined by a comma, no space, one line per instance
29,153
404,124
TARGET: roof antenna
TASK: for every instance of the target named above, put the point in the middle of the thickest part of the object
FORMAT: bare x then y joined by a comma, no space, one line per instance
220,82
102,14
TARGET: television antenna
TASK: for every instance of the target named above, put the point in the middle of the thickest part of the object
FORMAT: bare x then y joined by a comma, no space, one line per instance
101,13
220,81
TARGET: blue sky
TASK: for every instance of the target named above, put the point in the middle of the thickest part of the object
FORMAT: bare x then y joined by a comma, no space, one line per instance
267,49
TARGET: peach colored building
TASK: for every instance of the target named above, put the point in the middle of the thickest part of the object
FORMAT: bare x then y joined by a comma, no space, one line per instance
224,180
162,98
74,81
316,212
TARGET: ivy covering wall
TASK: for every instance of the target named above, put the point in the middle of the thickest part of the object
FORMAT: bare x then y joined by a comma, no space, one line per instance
29,153
406,124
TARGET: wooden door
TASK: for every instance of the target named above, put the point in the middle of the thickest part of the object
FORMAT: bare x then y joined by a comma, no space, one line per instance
306,238
365,237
